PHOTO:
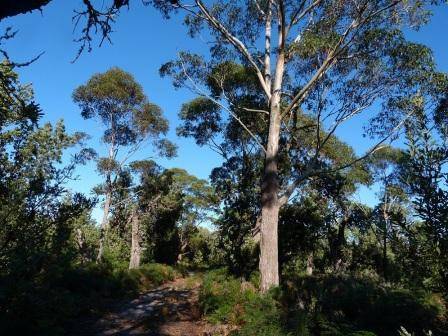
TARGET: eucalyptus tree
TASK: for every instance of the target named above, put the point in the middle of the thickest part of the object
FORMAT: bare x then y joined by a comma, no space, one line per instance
118,102
199,204
170,204
385,167
331,60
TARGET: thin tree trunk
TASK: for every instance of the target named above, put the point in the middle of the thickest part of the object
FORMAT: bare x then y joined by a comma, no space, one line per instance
385,261
385,255
108,198
136,248
104,224
81,245
340,243
183,246
310,264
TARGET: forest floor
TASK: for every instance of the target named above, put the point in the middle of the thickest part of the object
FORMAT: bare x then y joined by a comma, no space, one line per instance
168,310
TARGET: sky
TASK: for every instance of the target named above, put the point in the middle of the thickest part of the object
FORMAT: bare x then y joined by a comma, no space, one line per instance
141,42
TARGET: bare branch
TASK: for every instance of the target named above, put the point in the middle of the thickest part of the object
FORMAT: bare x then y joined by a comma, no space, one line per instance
312,171
327,63
96,21
236,43
254,110
301,12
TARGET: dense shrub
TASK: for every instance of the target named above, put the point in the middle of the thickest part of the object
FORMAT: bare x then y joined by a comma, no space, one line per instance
343,305
49,305
321,305
227,300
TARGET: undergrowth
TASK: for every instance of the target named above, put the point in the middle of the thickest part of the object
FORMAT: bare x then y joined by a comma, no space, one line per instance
52,304
325,305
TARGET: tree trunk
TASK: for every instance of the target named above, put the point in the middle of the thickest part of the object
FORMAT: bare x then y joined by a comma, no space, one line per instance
270,204
104,224
81,245
136,248
310,264
183,245
385,261
108,198
385,255
340,243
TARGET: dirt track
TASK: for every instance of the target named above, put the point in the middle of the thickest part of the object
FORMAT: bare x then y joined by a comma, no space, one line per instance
169,310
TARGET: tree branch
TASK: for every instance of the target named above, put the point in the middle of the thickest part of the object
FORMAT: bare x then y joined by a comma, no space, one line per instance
311,171
10,8
201,92
236,43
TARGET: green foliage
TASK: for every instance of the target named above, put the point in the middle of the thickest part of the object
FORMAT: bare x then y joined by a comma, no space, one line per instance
425,175
199,109
199,250
225,299
121,105
219,295
348,304
48,240
51,305
171,204
37,214
117,249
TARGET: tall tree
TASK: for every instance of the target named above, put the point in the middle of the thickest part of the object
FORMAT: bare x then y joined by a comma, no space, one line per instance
426,178
384,165
130,120
329,60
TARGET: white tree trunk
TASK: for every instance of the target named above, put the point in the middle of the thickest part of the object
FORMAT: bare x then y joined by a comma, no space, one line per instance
104,224
136,248
270,204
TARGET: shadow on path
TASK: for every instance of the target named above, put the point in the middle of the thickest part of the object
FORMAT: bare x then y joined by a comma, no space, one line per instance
169,310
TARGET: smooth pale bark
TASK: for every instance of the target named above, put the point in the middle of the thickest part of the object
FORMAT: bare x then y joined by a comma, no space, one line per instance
104,223
310,264
136,248
270,205
267,46
80,241
108,196
183,246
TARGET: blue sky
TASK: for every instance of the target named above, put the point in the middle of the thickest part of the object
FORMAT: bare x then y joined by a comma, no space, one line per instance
142,41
